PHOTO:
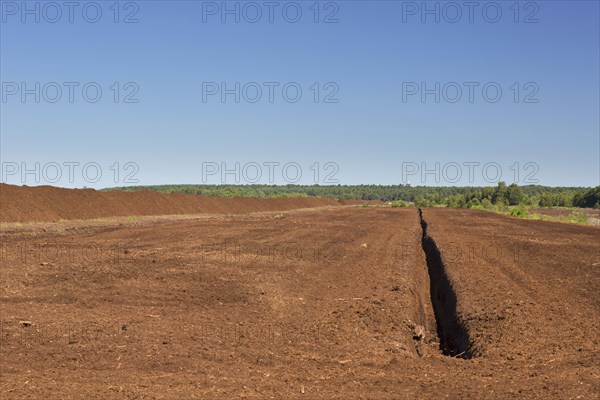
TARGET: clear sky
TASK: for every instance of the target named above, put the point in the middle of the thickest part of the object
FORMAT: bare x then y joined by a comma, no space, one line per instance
370,60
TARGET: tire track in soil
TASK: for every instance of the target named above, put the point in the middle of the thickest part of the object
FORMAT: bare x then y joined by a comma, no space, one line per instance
452,333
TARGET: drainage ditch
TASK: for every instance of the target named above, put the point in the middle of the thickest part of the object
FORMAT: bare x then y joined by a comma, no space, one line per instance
453,336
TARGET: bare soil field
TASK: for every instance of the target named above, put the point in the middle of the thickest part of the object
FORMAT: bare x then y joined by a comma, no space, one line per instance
341,302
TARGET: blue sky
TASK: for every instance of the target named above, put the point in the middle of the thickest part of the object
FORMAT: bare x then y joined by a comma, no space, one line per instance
376,52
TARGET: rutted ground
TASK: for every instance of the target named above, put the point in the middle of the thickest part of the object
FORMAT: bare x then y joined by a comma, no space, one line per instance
322,304
255,306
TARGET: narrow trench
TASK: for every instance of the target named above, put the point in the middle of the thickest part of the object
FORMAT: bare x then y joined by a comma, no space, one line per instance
453,336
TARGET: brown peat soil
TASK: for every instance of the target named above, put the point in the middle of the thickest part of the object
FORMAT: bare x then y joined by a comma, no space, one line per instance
338,302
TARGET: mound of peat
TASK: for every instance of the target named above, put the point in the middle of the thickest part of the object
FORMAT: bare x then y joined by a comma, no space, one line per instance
47,203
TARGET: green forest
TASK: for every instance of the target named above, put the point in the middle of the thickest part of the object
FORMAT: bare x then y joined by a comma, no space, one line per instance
405,195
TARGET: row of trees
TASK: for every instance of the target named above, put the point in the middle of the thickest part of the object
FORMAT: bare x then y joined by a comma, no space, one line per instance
422,196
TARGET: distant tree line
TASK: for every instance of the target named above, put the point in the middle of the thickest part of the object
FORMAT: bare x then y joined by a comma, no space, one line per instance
420,196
